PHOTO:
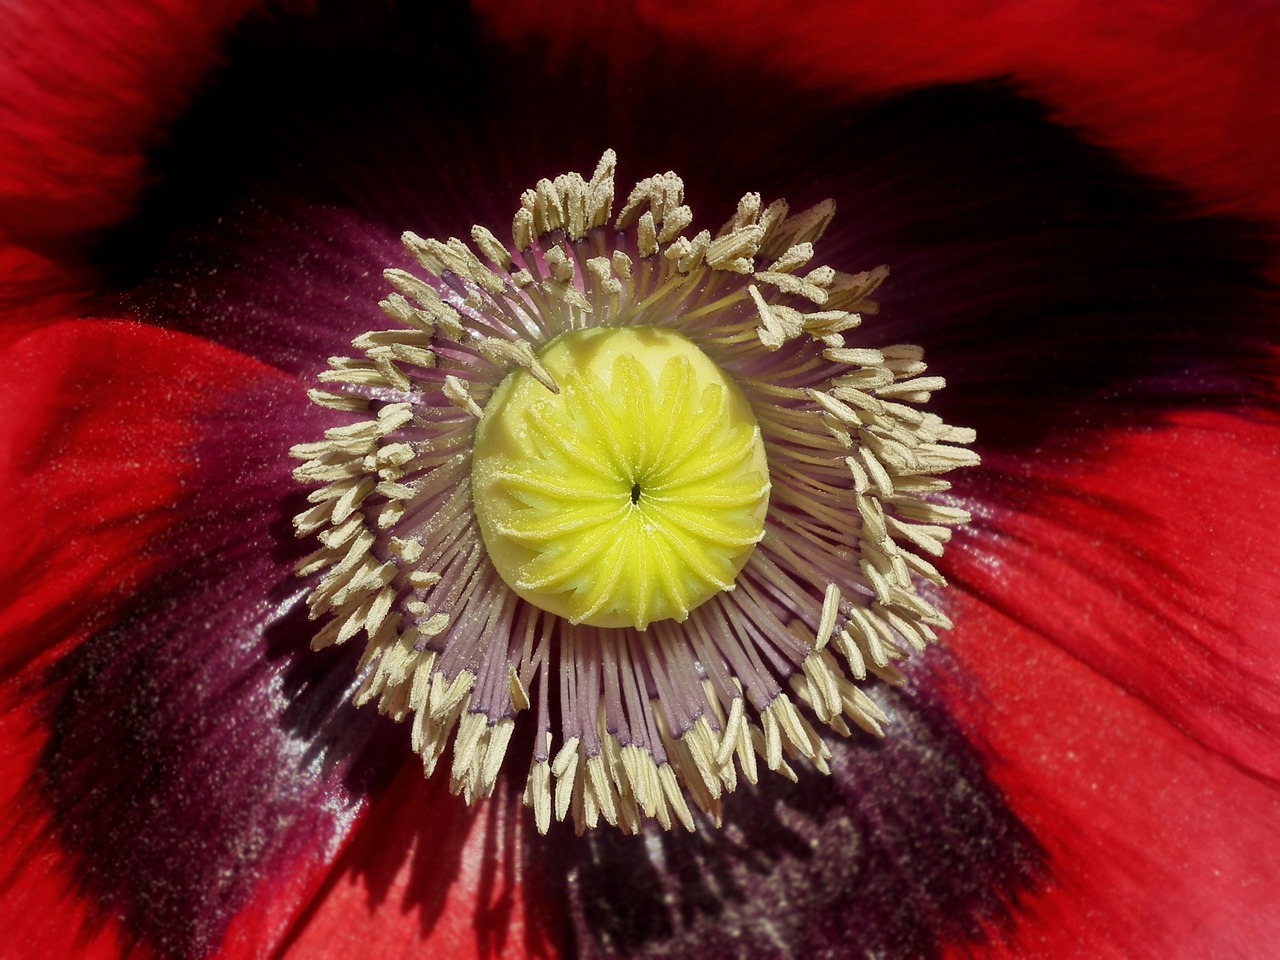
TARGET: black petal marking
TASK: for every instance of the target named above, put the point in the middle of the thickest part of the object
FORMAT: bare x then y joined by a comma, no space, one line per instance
907,847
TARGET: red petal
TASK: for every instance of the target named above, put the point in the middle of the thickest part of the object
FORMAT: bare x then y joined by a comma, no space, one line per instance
427,876
42,910
1190,90
1138,741
34,290
95,456
1152,559
95,447
39,913
83,88
262,928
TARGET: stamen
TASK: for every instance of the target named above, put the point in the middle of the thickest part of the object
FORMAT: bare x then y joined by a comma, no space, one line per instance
628,484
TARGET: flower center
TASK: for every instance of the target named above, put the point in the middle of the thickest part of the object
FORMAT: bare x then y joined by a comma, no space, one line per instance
563,444
634,494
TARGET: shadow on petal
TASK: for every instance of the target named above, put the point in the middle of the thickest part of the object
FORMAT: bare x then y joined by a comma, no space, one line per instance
907,847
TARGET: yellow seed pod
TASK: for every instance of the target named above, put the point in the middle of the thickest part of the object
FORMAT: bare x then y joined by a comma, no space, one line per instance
635,493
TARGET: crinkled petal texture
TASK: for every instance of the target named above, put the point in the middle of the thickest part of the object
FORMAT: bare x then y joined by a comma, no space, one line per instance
1088,773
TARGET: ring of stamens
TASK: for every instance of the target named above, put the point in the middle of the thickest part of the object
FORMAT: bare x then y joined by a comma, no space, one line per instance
629,724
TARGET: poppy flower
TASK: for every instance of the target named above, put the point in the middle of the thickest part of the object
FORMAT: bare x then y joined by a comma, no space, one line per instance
199,205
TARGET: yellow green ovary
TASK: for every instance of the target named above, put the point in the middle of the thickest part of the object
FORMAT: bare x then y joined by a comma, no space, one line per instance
635,493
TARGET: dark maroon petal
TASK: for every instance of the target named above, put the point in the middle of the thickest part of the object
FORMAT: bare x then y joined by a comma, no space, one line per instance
1036,269
906,848
198,746
1042,274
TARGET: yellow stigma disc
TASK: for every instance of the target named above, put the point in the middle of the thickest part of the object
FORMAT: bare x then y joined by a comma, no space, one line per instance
634,494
